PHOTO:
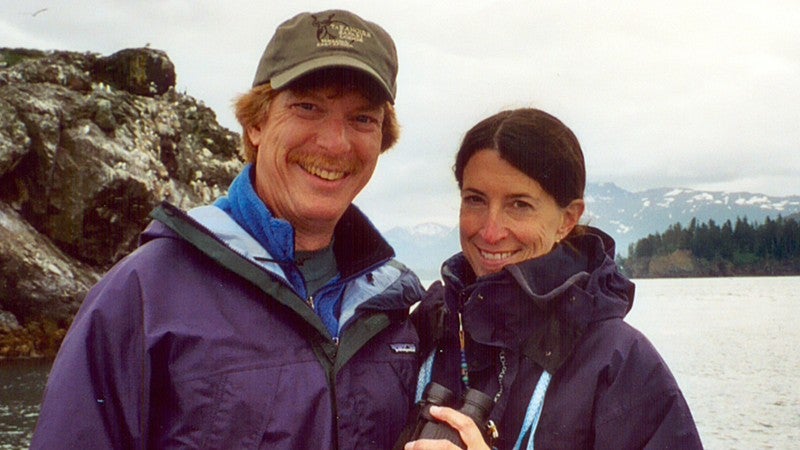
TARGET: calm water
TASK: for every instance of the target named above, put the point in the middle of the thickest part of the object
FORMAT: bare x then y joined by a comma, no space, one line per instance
732,345
21,385
730,342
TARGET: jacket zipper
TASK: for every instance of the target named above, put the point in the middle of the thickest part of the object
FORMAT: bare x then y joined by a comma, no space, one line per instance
334,408
309,301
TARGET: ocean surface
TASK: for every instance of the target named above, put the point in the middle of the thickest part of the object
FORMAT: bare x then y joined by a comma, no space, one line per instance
21,385
731,343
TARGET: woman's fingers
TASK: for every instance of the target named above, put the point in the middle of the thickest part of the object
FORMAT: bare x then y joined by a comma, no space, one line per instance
469,432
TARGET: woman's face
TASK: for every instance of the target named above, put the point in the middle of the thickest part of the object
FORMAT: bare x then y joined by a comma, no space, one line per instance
506,217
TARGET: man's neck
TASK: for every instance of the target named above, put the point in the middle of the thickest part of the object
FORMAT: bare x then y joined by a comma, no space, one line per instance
310,241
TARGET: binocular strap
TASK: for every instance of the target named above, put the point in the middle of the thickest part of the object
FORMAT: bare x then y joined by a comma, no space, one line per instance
533,412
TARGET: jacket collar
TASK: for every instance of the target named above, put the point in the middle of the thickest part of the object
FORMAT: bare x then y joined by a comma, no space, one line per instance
542,306
357,244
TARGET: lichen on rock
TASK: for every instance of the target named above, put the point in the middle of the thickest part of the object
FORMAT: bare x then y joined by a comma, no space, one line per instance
89,144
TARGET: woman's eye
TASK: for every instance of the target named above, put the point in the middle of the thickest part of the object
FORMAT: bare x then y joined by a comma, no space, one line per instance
521,205
472,200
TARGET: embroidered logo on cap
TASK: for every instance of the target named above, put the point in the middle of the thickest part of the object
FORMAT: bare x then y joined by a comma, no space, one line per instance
403,348
335,33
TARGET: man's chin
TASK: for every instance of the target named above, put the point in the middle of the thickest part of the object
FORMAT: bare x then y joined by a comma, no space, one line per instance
324,213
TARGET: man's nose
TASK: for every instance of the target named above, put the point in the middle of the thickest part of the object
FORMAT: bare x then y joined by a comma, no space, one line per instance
332,134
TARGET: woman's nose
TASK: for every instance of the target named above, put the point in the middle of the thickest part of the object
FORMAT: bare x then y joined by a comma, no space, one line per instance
493,230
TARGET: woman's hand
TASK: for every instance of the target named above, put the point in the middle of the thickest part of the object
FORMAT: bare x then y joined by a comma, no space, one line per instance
465,426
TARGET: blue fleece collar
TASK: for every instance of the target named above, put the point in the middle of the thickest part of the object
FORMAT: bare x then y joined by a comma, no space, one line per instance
276,235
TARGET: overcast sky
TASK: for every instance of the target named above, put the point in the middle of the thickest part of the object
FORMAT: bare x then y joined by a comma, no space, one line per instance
702,95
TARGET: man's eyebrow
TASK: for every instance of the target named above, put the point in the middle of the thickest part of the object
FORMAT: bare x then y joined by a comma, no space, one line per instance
371,108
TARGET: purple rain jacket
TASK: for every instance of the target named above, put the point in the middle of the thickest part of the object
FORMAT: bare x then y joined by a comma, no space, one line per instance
195,340
561,313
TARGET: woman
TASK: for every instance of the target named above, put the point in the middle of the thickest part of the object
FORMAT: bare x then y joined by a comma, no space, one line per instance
541,305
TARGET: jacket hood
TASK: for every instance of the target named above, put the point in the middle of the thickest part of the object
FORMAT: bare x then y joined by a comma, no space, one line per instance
370,278
585,261
357,243
154,230
551,299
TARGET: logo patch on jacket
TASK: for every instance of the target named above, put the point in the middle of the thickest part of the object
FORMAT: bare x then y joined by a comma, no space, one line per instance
403,348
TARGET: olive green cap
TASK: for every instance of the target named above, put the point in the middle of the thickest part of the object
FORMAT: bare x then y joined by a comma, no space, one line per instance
334,38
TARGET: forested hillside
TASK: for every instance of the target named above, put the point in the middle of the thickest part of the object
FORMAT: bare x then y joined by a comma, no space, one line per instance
709,249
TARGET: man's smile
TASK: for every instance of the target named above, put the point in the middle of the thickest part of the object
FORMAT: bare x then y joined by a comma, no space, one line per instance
326,168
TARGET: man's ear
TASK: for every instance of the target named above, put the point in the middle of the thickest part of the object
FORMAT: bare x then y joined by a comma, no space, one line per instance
571,215
254,134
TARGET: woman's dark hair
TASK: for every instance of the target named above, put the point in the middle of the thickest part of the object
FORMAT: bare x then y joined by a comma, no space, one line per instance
537,144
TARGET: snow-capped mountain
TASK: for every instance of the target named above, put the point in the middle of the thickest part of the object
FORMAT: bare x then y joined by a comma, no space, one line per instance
630,216
627,216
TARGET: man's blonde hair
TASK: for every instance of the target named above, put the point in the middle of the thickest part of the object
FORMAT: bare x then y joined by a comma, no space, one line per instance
252,108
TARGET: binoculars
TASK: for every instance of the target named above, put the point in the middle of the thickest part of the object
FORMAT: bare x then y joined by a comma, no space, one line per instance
476,406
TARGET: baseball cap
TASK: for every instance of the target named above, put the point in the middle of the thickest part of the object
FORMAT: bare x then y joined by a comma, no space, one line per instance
334,38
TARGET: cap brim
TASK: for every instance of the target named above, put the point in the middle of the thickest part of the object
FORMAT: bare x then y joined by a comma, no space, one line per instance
279,81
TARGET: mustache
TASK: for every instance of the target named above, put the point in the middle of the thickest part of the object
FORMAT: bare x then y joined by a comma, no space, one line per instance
338,164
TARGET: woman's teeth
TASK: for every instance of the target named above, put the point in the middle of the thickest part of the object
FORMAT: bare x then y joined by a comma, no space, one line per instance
496,256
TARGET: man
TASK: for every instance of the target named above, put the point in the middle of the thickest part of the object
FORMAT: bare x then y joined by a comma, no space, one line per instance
275,318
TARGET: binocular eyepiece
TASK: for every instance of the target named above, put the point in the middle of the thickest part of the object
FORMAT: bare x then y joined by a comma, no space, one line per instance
477,406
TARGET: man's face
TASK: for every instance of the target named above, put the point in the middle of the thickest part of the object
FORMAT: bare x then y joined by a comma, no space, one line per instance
316,151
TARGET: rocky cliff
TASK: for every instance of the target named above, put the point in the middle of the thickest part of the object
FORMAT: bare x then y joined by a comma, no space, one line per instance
89,144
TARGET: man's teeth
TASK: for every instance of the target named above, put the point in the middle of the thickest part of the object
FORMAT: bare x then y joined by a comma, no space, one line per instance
496,256
330,175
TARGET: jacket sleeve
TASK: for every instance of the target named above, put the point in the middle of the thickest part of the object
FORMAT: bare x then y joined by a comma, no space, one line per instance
97,391
642,406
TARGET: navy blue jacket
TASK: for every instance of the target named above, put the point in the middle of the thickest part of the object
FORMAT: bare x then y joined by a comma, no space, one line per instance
561,313
196,340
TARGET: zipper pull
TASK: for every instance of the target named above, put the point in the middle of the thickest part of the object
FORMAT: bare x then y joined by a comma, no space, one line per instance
310,302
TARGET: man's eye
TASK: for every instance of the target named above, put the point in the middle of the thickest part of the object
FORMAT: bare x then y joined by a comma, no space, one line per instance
306,106
366,119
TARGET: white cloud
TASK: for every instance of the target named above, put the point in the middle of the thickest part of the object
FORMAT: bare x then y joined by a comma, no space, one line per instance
686,94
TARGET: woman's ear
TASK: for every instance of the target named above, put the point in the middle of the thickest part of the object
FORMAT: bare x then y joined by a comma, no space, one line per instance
571,215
